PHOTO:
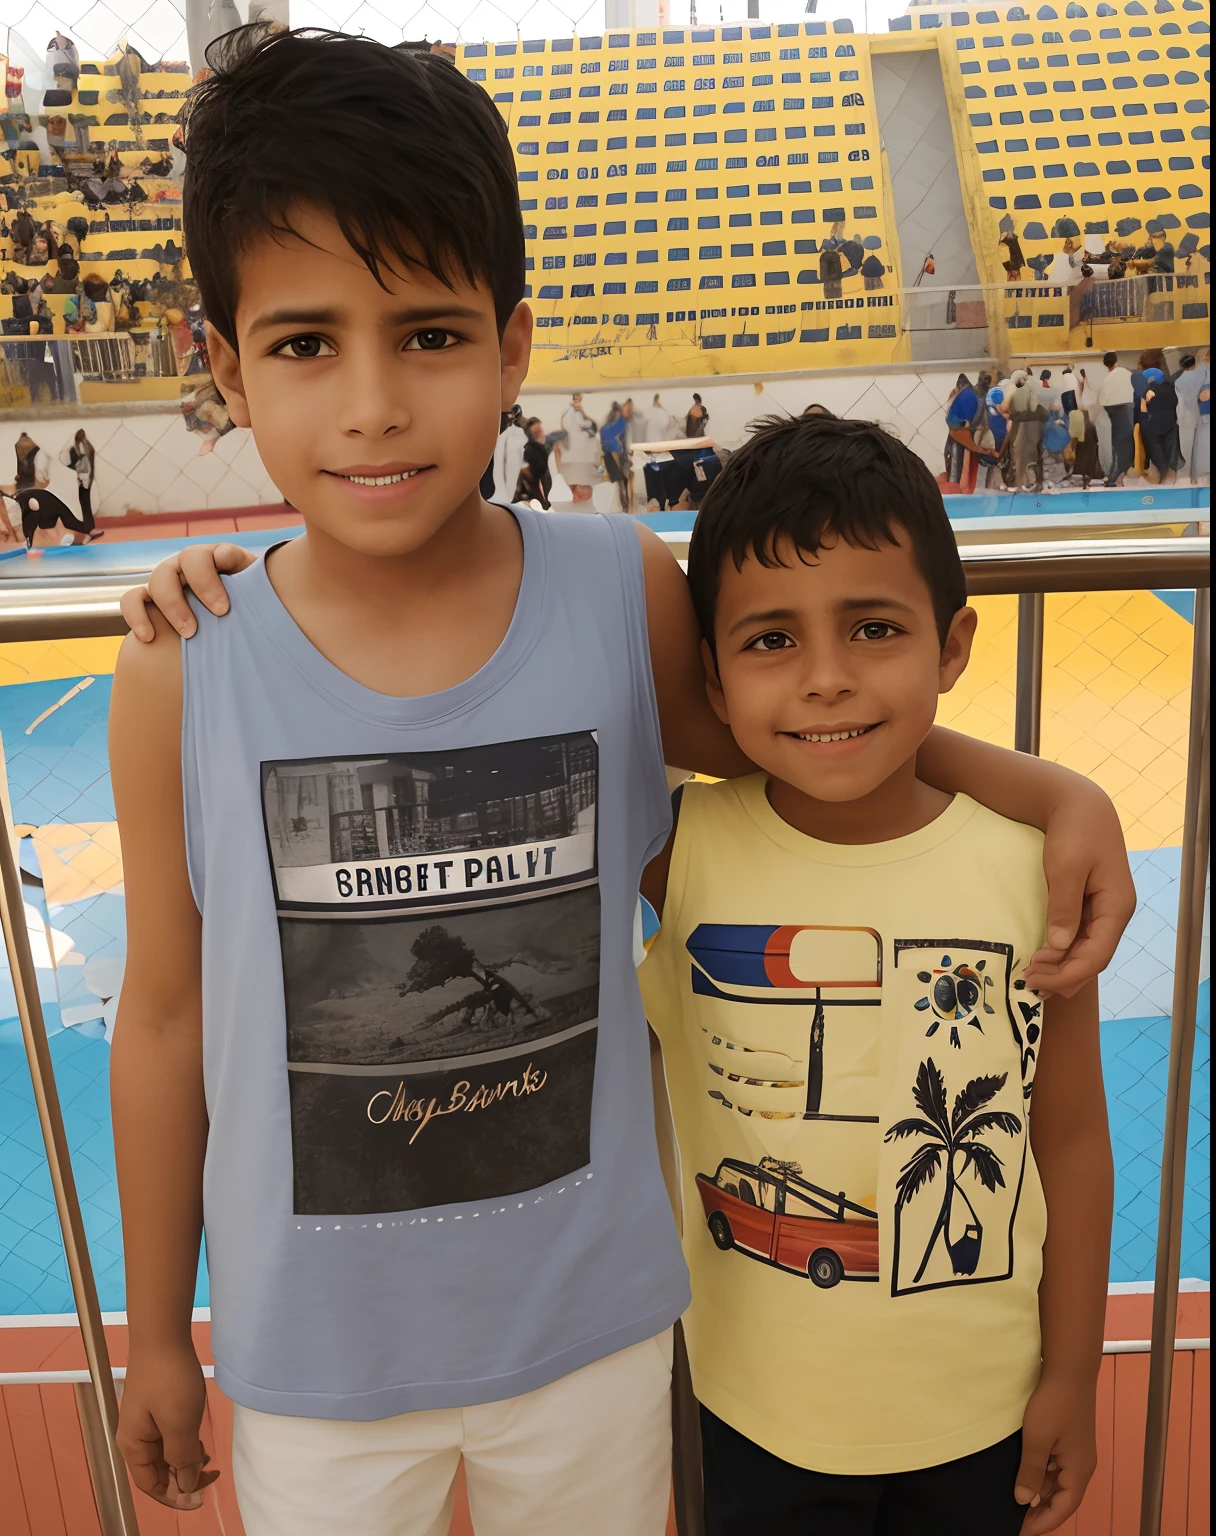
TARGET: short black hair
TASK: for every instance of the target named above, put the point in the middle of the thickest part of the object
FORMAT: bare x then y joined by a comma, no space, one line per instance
410,158
1110,358
809,479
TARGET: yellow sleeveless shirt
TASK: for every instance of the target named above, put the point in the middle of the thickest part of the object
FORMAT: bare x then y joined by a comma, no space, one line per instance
850,1048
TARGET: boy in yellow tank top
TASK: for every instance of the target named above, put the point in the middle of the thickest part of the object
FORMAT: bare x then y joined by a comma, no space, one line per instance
898,1265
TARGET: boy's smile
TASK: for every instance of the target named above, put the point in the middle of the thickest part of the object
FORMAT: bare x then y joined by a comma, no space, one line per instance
837,734
375,409
828,671
380,481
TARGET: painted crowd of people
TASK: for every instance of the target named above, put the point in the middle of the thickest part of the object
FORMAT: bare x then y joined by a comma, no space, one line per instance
586,453
30,506
1099,423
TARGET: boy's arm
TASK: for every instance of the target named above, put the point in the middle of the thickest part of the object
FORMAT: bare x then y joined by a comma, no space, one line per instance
156,1080
197,567
693,736
1071,1144
1090,894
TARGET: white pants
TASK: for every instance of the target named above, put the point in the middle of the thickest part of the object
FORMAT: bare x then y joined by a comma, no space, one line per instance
590,1454
1106,453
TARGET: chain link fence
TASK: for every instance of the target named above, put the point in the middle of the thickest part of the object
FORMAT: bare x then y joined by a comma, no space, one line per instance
1115,682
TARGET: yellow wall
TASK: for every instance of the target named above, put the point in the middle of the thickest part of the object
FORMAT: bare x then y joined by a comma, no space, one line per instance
1103,119
618,299
788,148
621,88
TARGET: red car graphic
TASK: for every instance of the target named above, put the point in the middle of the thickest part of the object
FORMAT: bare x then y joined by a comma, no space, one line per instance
768,1212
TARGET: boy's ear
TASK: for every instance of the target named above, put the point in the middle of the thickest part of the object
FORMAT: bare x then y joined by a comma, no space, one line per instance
713,683
956,652
515,349
226,371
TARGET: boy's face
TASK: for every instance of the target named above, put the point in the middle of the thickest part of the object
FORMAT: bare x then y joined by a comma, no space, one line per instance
829,667
375,411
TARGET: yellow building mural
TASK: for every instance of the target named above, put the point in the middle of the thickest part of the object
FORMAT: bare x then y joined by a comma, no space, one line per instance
705,200
699,200
678,189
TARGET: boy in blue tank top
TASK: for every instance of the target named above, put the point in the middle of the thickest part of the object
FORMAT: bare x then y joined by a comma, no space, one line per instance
383,828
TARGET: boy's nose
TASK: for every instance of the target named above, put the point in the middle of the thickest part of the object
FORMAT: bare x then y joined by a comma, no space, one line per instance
826,675
373,405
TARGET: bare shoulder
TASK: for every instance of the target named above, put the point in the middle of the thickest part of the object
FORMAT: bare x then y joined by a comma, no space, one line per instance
146,703
660,567
674,634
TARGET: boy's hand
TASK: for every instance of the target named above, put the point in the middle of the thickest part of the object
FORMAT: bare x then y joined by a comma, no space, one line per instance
198,567
158,1422
1090,895
1059,1454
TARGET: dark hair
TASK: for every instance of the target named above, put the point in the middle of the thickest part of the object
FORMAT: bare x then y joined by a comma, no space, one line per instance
410,158
809,479
1110,358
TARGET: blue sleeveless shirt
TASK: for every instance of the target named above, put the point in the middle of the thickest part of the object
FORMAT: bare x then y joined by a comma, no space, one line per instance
431,1175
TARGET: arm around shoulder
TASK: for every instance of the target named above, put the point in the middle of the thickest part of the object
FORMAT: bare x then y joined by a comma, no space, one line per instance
693,736
1091,896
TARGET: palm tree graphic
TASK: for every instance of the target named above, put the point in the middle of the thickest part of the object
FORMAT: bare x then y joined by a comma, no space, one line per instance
952,1139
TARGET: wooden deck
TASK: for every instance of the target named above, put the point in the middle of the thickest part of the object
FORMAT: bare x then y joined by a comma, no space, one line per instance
45,1491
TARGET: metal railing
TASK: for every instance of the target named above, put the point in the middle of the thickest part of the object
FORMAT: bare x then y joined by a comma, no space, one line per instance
1153,299
38,609
1035,315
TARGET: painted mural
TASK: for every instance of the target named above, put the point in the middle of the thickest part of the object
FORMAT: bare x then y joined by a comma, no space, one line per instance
715,200
697,200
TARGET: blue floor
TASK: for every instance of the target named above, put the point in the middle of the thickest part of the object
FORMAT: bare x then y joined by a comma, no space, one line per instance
33,1275
59,775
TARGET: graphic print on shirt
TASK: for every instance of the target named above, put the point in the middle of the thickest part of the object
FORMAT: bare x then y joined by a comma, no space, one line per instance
963,1142
439,924
792,1062
811,1189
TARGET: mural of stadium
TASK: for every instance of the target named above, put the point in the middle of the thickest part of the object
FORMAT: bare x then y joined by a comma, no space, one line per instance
698,200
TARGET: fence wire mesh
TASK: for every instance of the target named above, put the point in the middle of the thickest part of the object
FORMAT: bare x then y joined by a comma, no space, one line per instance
1116,677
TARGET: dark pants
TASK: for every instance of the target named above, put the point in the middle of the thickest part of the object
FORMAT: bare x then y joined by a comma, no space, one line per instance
41,509
84,495
1161,448
667,481
1122,439
617,471
748,1491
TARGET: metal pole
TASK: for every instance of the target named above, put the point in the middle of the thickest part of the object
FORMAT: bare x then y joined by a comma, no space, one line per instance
1191,892
1029,712
112,1491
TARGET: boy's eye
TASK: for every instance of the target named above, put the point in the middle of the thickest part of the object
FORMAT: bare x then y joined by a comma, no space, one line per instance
432,340
771,640
305,346
876,629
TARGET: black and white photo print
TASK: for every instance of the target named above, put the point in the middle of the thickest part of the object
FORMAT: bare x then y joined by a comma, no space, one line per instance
440,932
